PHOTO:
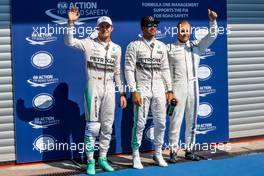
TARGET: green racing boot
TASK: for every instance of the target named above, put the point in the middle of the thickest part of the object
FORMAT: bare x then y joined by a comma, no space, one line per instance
103,163
90,167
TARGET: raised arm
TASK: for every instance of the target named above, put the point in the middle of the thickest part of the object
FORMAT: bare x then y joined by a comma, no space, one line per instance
205,42
73,15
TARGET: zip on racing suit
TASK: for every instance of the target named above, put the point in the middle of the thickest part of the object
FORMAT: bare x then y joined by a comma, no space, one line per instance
147,72
184,61
103,67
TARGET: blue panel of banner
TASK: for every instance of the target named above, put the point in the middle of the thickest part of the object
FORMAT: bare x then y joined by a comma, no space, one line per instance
50,77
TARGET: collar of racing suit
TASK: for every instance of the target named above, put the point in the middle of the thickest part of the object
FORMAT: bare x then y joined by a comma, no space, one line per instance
149,42
188,43
105,44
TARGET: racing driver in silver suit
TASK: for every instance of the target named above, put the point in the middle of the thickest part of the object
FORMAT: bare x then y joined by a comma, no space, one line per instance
103,58
148,76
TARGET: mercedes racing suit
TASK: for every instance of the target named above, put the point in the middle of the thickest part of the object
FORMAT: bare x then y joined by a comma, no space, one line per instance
103,67
147,72
184,61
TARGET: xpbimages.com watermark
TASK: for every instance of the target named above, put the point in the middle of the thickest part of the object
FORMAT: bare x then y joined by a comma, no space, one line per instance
54,146
50,145
51,30
144,89
209,147
167,31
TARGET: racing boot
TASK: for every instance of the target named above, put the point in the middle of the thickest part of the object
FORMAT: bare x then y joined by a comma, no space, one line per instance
90,167
103,164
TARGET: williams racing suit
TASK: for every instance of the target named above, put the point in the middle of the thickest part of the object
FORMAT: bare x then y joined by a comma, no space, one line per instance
184,61
103,67
147,72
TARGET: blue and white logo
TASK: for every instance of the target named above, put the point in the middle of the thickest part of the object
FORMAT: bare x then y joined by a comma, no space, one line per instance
205,128
43,122
205,110
206,90
204,72
149,133
38,38
43,101
42,60
87,9
44,143
42,80
207,53
62,5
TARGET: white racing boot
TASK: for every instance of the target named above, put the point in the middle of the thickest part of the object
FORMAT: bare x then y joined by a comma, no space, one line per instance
159,159
136,160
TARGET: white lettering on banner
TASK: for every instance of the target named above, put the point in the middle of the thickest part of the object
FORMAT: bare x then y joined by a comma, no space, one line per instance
153,4
207,53
48,143
206,90
87,10
205,128
172,31
170,10
43,122
40,39
42,80
84,5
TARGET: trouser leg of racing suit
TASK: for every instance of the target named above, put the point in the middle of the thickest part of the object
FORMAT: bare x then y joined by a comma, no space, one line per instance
157,102
180,91
91,97
107,112
158,108
140,118
100,106
188,105
191,112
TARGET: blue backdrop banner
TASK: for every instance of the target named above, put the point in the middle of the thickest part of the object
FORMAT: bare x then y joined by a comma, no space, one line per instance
49,77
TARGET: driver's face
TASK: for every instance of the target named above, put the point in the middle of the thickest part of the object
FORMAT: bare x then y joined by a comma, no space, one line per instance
150,30
105,30
184,32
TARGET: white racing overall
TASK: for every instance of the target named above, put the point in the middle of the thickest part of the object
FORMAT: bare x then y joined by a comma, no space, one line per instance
184,61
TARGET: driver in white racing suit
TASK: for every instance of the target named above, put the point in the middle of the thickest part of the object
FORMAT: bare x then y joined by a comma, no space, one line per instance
148,76
184,58
103,58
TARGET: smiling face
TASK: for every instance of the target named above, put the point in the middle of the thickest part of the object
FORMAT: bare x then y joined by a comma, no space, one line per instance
105,30
184,31
149,30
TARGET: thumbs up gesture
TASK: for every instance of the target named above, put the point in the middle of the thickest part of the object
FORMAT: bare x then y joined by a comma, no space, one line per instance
212,15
